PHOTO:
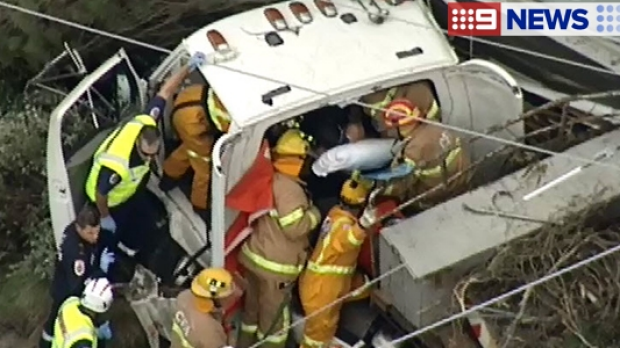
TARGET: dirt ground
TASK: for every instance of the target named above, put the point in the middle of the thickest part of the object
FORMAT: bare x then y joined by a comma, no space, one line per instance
12,340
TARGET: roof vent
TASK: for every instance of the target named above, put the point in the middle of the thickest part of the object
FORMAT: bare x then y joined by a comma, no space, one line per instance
301,12
276,19
327,8
222,49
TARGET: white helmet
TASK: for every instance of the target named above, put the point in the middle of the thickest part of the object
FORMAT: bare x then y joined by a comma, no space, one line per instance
97,295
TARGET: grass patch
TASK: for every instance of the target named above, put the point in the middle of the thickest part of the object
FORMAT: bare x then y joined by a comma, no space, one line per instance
25,303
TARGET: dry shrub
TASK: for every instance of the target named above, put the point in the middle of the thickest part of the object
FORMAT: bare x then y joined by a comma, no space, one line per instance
578,309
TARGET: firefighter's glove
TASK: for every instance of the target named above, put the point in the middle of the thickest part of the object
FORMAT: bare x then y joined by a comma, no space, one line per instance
196,61
107,258
369,217
108,223
104,332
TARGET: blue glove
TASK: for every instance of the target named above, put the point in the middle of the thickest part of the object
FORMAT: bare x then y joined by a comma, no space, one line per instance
388,173
104,332
196,61
108,223
107,258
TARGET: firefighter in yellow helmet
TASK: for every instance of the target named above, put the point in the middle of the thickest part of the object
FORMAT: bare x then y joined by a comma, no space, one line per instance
275,252
331,270
197,320
199,118
430,156
419,93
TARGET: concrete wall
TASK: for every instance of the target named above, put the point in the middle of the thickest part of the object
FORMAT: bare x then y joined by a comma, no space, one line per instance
447,238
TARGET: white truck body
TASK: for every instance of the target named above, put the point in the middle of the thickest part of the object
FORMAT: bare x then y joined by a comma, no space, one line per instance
325,61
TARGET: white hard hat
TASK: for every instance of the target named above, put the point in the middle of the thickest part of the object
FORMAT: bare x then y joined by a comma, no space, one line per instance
97,295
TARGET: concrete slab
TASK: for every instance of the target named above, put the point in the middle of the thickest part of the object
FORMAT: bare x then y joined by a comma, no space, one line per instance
448,237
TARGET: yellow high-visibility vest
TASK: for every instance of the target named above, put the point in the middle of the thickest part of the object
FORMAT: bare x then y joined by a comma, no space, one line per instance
114,153
72,326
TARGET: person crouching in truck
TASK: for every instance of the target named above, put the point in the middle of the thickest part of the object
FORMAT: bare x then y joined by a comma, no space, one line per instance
331,270
275,252
429,157
121,166
419,93
199,119
81,256
197,321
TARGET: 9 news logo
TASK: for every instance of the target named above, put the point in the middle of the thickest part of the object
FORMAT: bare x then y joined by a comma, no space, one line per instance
474,19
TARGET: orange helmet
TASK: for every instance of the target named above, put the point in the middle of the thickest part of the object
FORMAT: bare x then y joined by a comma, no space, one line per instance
401,112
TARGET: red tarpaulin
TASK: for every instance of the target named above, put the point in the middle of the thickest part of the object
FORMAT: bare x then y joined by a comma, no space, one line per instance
251,197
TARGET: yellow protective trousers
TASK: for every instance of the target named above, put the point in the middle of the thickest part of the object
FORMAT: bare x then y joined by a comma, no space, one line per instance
318,291
195,151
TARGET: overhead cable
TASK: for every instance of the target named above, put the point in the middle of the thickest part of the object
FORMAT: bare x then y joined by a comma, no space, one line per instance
457,129
165,50
489,42
504,296
438,124
331,304
82,27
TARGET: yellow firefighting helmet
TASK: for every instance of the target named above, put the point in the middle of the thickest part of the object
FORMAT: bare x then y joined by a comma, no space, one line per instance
213,283
401,112
291,151
354,192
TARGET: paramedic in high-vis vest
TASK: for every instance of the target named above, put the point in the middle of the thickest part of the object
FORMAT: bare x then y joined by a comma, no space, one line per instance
199,119
78,317
197,321
81,256
419,93
331,271
276,251
121,166
429,157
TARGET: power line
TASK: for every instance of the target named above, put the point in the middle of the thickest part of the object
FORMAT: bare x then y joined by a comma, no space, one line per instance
457,129
330,305
492,43
505,295
82,27
438,124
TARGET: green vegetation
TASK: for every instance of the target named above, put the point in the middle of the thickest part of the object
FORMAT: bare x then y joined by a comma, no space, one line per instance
27,250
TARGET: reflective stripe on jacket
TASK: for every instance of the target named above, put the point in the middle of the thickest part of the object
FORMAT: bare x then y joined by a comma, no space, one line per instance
279,242
72,326
219,116
435,155
419,93
193,328
339,245
114,153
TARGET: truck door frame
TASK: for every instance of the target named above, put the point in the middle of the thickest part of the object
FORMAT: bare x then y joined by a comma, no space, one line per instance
61,205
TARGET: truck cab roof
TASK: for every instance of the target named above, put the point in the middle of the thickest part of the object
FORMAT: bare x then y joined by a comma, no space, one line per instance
321,57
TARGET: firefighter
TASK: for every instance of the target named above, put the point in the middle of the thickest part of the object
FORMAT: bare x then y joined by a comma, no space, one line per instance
121,167
419,93
81,256
76,323
429,157
331,270
197,321
199,119
275,252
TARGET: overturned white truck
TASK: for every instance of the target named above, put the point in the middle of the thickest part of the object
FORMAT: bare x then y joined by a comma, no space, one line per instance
269,65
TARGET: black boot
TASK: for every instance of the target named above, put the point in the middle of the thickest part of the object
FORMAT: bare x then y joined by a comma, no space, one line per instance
167,183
